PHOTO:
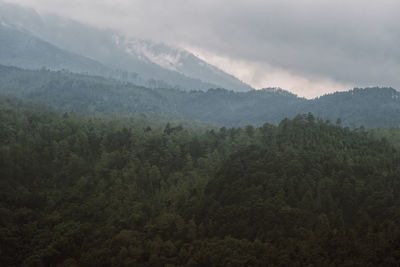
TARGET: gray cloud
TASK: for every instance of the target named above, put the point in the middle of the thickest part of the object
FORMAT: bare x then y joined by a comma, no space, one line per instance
348,42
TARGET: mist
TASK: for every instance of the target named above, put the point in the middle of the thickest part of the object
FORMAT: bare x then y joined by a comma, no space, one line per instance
306,47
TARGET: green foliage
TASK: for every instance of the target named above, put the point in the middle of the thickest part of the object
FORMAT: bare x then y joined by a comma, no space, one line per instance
129,191
371,107
390,134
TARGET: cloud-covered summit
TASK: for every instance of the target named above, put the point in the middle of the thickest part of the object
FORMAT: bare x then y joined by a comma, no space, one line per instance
302,44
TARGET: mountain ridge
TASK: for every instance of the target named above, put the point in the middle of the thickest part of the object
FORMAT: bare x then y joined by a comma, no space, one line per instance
100,45
38,53
370,107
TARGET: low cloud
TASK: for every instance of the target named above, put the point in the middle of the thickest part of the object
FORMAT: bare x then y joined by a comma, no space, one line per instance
309,47
262,75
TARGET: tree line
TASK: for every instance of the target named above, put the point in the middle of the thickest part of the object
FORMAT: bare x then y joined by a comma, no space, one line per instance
91,95
80,190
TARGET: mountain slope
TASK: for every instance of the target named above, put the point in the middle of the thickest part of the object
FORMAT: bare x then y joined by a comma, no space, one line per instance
20,48
370,107
151,62
181,61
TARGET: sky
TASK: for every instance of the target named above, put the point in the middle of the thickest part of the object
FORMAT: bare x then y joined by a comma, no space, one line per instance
308,47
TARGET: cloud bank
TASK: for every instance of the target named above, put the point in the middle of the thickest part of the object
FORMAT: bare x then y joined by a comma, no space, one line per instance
309,47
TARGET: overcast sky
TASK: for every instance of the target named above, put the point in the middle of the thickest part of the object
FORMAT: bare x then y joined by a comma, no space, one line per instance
308,47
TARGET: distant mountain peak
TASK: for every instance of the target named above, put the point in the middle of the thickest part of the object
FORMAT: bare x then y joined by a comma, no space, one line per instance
154,64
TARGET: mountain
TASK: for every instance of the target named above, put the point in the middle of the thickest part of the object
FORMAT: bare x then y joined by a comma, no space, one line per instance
377,107
93,95
139,61
369,107
179,60
22,49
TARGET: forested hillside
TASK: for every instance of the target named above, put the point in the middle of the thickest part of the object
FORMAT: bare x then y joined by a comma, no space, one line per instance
104,191
132,133
390,134
95,95
370,107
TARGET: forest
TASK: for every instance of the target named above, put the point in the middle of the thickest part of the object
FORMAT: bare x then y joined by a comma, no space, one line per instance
140,190
92,95
156,133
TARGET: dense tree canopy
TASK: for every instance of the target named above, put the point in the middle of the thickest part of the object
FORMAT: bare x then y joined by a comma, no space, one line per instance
371,107
136,191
